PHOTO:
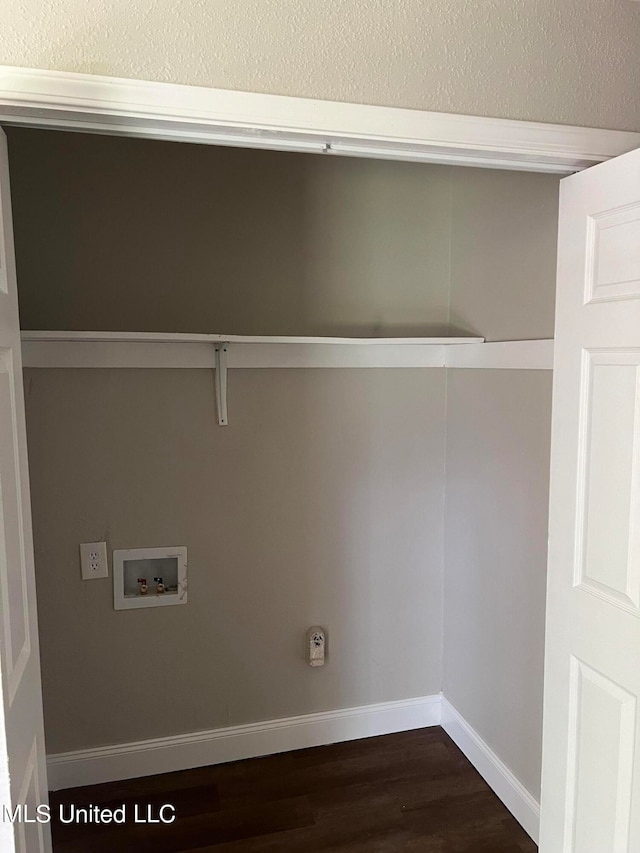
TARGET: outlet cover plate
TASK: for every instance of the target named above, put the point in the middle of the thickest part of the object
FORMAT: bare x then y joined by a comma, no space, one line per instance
93,560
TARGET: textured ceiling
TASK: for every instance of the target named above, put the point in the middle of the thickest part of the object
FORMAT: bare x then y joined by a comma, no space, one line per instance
565,61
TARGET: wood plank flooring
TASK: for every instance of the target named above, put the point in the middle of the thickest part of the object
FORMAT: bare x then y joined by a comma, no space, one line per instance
413,791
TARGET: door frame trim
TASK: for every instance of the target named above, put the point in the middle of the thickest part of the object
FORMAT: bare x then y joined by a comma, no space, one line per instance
156,110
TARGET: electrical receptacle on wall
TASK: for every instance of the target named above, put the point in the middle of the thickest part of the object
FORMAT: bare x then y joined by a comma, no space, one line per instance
316,645
93,560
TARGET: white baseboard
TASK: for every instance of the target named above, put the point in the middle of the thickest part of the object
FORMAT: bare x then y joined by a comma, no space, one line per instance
181,752
522,805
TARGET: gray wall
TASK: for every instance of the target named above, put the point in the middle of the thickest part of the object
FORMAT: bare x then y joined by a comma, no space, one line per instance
162,236
497,493
324,500
497,469
321,504
572,62
503,254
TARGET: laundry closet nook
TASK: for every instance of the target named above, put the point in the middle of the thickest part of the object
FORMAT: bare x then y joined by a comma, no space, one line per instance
288,364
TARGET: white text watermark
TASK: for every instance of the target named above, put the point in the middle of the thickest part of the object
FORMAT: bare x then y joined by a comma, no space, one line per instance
69,813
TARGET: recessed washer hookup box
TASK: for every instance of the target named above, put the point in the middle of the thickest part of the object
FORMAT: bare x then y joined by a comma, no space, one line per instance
149,577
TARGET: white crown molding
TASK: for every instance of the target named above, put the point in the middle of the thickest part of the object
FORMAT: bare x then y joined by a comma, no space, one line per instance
181,752
520,802
157,110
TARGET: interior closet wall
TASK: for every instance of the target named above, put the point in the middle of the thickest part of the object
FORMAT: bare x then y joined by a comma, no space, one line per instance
322,502
129,234
497,469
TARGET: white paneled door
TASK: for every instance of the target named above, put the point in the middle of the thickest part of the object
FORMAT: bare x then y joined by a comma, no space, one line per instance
591,751
22,755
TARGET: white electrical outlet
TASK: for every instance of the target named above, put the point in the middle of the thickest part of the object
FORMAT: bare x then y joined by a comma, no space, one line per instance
93,560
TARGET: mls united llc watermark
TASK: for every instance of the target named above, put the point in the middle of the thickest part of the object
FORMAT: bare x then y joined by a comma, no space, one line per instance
134,813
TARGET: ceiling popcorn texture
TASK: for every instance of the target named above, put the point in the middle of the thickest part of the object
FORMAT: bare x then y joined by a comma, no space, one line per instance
562,61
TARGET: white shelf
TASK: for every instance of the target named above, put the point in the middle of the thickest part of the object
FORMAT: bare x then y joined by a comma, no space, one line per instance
220,352
500,355
158,349
178,337
171,350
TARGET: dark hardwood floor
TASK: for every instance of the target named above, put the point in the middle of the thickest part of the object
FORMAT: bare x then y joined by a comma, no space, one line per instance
413,791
